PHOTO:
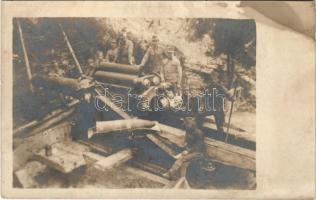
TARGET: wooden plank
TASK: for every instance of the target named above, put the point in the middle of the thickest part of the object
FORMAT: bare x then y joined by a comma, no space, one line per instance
222,152
231,155
147,175
96,147
114,160
160,144
174,135
92,158
233,132
40,122
182,183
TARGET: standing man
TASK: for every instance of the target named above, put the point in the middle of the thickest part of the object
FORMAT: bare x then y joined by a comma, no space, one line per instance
112,53
172,70
153,59
125,50
140,51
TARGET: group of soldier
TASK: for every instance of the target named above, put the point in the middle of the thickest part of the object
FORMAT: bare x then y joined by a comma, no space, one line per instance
151,57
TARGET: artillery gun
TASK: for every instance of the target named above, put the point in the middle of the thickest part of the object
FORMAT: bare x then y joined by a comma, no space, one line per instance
79,135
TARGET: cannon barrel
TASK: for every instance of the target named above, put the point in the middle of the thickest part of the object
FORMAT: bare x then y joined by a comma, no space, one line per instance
120,125
121,68
118,78
57,81
60,83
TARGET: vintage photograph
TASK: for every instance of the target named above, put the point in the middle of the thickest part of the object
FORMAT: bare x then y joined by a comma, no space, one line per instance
134,103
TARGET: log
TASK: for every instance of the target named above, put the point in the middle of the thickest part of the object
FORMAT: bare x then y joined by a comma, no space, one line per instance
117,67
231,155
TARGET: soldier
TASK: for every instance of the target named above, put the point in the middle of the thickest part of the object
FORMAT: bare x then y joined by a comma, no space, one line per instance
112,53
172,70
153,59
92,68
195,149
140,51
125,50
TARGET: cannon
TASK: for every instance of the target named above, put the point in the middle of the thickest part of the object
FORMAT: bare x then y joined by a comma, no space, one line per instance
120,68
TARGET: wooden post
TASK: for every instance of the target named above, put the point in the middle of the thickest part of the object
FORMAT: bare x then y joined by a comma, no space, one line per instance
71,50
26,59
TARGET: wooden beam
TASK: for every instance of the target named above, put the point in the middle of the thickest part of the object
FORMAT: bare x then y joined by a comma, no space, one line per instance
231,155
92,158
160,144
182,183
113,160
71,49
40,123
233,132
95,146
26,59
174,135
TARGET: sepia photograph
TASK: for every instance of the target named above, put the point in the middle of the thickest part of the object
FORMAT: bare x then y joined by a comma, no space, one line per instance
158,100
134,103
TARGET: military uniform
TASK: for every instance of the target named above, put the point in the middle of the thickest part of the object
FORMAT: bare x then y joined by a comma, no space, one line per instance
171,71
153,60
111,55
125,53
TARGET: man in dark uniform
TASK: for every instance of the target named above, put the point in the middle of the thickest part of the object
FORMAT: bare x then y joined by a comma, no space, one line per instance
153,59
